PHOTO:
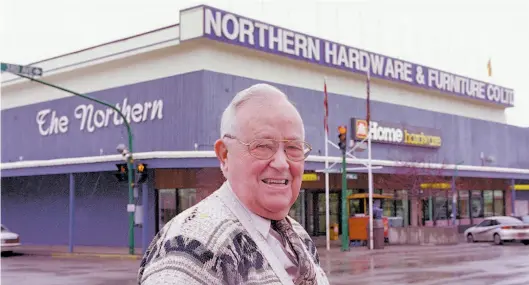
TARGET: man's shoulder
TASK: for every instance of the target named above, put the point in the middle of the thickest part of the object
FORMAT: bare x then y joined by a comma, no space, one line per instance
206,242
190,241
208,218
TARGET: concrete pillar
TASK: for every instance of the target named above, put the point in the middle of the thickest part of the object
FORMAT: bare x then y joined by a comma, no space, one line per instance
415,211
71,227
508,202
406,207
145,203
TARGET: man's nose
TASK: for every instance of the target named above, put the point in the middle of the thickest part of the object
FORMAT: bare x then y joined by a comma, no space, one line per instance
280,160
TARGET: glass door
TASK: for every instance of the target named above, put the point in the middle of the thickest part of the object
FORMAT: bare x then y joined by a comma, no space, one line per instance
334,211
186,198
167,206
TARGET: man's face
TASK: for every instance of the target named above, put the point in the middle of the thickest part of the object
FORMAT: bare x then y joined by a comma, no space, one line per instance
268,187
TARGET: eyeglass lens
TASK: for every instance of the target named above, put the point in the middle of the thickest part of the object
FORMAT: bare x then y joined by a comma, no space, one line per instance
265,148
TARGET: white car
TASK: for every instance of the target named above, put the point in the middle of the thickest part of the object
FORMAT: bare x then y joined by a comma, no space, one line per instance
499,229
524,219
10,240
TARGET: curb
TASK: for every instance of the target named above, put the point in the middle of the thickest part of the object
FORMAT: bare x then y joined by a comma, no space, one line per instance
96,255
81,255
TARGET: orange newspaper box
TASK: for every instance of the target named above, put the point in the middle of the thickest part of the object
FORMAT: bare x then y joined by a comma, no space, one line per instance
358,212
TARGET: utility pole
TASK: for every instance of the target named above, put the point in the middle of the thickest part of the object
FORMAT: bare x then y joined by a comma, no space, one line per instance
29,71
342,144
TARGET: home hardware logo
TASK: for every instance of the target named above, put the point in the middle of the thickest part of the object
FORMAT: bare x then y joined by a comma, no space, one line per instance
382,132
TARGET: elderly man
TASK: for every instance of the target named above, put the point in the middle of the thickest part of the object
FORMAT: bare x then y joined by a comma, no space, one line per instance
241,233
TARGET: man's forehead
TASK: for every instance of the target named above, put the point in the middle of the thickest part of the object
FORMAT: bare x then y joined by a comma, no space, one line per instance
278,127
269,114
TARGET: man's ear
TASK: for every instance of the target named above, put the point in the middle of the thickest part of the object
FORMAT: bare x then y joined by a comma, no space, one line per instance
222,154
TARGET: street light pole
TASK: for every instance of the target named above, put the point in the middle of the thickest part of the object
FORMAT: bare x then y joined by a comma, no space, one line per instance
130,160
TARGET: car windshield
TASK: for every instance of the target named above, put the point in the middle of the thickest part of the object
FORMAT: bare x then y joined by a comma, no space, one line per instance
509,220
4,229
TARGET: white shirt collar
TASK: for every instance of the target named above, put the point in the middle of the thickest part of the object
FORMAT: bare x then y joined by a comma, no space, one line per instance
260,223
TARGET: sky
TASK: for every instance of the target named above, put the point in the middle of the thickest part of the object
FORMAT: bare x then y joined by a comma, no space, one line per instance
458,36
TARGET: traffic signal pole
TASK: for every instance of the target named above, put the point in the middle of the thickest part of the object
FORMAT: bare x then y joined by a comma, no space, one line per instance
342,130
18,70
345,225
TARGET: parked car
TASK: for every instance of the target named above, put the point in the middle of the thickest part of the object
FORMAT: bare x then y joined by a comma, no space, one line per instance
499,229
524,219
10,240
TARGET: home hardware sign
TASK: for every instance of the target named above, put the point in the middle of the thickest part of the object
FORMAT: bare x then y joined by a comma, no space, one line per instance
383,132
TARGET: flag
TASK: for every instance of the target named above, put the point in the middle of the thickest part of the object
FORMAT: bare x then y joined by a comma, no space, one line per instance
326,106
489,67
368,99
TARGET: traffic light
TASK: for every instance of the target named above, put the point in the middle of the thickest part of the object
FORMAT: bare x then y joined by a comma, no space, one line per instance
342,137
123,172
141,170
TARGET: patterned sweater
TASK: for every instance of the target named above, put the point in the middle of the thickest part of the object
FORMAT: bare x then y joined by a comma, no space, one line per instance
208,244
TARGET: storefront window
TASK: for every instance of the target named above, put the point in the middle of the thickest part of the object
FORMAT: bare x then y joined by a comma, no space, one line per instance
426,210
449,207
356,207
476,204
402,209
489,203
440,209
499,204
309,195
389,209
297,212
463,205
334,211
166,206
186,199
334,207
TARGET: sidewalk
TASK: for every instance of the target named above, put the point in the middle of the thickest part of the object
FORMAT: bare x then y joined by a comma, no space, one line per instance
122,252
80,251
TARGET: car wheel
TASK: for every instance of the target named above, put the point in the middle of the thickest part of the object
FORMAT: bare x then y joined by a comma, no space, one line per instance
497,239
470,238
525,241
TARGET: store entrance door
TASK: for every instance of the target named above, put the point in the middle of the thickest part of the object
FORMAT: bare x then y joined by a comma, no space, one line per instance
317,215
171,202
166,206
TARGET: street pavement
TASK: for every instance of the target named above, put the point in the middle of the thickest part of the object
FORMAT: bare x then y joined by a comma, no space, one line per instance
45,270
466,264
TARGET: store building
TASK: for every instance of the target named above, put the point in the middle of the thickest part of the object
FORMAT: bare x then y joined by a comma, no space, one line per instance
59,151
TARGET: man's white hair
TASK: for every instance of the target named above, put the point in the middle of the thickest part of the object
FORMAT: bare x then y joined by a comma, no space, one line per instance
228,122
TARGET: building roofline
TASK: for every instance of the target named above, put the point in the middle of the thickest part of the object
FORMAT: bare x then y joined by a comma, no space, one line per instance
106,43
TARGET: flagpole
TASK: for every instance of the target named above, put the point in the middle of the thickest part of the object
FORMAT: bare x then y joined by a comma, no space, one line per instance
369,169
326,130
327,214
370,181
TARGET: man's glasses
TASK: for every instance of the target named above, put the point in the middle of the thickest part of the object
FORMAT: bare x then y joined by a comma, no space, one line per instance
295,150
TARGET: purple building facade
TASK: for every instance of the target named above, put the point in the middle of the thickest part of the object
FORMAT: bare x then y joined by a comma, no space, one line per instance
59,159
184,111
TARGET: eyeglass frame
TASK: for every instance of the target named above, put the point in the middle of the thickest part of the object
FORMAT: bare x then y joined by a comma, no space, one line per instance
247,144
